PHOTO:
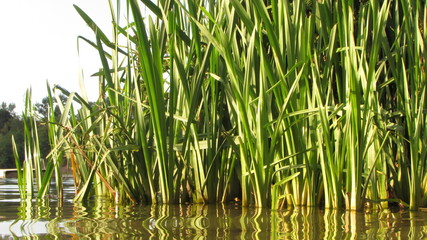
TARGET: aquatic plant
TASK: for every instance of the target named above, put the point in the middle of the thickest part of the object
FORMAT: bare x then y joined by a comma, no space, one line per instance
274,103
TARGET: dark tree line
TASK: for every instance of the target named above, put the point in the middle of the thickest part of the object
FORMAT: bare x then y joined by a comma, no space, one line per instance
11,124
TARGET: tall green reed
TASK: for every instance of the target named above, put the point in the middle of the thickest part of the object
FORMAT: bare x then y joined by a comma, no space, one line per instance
276,103
407,61
36,173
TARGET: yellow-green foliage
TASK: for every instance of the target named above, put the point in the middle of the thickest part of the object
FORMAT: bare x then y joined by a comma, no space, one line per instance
277,103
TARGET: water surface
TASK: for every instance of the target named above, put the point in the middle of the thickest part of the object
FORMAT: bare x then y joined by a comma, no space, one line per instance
102,219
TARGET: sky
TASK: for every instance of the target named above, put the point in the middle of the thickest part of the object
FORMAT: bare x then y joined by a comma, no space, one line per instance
38,43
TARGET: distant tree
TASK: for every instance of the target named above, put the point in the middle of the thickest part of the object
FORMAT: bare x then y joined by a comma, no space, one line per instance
6,113
10,125
43,110
7,159
9,107
43,133
5,116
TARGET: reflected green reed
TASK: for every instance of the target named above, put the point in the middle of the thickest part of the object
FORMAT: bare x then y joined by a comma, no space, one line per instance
102,219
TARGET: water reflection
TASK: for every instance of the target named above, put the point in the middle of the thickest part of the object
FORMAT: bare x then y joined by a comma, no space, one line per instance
100,219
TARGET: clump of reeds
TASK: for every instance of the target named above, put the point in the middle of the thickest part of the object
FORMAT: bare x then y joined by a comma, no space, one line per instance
276,103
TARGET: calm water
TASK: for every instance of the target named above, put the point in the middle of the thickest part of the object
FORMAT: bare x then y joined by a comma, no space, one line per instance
104,220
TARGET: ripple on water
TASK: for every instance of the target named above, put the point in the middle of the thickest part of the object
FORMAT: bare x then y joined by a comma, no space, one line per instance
103,219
